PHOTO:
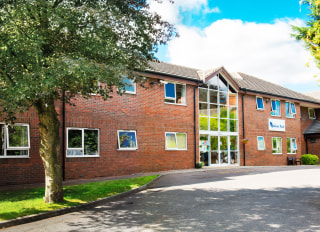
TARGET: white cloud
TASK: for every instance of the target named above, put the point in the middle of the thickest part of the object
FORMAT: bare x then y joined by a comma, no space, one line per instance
263,50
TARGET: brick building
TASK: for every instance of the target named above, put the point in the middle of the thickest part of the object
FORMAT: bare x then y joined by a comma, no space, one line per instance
181,116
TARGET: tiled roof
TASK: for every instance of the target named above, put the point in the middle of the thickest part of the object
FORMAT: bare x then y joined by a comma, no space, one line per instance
314,128
258,85
314,94
176,70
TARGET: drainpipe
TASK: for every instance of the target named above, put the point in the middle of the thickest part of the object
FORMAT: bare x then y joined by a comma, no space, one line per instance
63,136
243,130
195,124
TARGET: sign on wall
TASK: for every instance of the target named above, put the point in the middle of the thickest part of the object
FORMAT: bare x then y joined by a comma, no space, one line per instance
277,125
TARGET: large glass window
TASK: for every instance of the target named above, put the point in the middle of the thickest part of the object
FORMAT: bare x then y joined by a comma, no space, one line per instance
290,110
15,140
259,103
82,142
312,113
276,145
291,145
127,140
176,141
175,93
275,108
218,106
130,86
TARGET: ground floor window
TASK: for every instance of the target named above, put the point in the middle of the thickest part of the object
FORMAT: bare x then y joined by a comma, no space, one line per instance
276,145
219,149
15,140
127,140
176,141
82,142
291,145
261,143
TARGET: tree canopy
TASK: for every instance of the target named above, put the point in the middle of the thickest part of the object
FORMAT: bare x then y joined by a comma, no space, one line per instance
310,33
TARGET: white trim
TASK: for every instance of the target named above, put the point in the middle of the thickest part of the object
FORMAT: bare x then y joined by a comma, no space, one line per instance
175,91
82,145
276,108
260,109
131,148
277,145
175,135
292,150
264,144
6,143
134,84
291,114
313,112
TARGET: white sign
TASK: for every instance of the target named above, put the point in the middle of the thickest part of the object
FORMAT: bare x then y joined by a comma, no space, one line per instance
277,125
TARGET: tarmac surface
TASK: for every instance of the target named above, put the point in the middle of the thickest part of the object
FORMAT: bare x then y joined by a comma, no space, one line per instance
283,198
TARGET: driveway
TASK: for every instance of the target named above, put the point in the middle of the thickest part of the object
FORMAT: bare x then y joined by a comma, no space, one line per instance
240,199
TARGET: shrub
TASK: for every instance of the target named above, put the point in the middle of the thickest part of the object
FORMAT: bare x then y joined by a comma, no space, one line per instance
199,164
309,159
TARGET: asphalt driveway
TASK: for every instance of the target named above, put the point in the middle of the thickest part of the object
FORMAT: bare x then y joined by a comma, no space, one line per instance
240,199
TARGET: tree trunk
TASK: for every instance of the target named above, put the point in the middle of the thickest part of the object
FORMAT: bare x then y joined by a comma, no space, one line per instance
49,149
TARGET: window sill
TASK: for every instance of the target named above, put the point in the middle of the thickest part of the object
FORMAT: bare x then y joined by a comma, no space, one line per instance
83,156
276,153
14,157
260,109
278,116
133,149
133,93
175,104
291,153
176,149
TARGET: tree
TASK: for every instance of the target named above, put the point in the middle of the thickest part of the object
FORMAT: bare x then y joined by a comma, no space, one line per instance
310,33
52,47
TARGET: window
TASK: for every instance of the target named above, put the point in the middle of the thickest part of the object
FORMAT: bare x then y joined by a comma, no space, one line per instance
176,141
275,108
127,140
290,110
175,93
312,113
82,142
291,145
15,141
130,86
260,103
261,144
276,145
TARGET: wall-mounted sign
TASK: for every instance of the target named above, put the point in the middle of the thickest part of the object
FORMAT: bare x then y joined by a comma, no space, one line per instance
277,125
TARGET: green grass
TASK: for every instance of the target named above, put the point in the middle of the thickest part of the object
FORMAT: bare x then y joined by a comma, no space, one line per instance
20,203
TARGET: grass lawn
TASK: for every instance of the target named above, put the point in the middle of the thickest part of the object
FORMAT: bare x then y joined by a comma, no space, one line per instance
20,203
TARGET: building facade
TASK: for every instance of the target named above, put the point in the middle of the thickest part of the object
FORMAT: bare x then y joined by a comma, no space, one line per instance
180,116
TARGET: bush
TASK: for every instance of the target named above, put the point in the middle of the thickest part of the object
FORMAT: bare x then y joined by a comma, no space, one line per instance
309,159
199,164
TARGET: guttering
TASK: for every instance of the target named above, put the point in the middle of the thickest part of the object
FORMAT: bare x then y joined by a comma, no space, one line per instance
173,75
243,130
277,95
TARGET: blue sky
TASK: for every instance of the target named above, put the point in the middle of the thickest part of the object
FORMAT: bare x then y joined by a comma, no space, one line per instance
243,36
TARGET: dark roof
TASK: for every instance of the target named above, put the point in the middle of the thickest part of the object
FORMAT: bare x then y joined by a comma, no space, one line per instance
314,128
250,83
175,70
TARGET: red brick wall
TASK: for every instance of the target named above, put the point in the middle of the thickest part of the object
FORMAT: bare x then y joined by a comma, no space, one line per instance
256,124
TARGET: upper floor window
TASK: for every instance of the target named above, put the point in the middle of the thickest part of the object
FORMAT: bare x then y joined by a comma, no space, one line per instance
130,85
312,113
275,108
276,145
82,142
15,141
290,110
176,141
127,140
259,101
175,93
291,145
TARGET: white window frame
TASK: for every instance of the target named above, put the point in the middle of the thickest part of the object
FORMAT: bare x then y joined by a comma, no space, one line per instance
313,112
6,143
278,144
292,150
82,142
175,135
257,103
264,144
133,84
175,90
291,114
272,110
130,148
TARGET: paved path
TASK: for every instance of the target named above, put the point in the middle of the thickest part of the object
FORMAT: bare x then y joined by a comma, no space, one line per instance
242,199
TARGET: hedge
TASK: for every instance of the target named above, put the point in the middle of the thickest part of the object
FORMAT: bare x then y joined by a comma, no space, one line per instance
309,159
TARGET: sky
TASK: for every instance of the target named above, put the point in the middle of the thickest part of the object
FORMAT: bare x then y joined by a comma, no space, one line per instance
249,36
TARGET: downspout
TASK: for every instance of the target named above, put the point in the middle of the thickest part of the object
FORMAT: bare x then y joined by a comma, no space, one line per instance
63,136
243,130
195,124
